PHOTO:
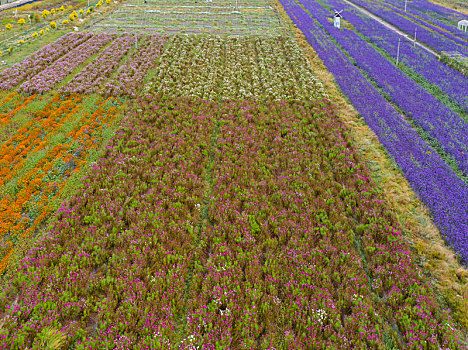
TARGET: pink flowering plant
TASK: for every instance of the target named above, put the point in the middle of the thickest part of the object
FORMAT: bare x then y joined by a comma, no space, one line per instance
54,74
95,74
40,60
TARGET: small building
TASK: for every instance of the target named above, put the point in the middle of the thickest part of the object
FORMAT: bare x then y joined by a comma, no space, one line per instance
463,25
337,19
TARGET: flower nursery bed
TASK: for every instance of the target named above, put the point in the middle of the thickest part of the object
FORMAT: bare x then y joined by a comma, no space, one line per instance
197,228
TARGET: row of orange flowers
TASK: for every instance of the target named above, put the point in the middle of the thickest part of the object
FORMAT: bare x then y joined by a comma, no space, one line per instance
34,135
11,103
23,212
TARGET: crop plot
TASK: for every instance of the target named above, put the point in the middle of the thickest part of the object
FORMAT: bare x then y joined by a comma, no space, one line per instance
40,60
36,162
234,68
249,18
85,63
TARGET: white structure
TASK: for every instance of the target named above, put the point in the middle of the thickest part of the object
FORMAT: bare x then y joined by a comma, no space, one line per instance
463,25
337,19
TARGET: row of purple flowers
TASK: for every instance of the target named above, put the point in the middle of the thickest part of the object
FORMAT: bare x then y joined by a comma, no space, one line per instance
435,40
445,194
444,19
449,80
91,78
130,75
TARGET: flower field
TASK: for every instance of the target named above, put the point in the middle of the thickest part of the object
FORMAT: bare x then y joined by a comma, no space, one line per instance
433,36
189,245
12,103
39,158
437,18
37,21
445,79
434,118
233,68
130,76
40,60
165,190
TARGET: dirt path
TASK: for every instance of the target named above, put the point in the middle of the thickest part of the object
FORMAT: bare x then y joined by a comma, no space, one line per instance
388,25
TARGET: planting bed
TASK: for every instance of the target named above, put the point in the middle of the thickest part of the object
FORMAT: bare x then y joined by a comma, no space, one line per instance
252,17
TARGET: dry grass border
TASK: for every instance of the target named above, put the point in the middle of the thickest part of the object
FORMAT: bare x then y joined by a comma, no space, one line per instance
438,261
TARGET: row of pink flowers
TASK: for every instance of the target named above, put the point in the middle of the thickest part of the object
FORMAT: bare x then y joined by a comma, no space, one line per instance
40,60
60,69
93,76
